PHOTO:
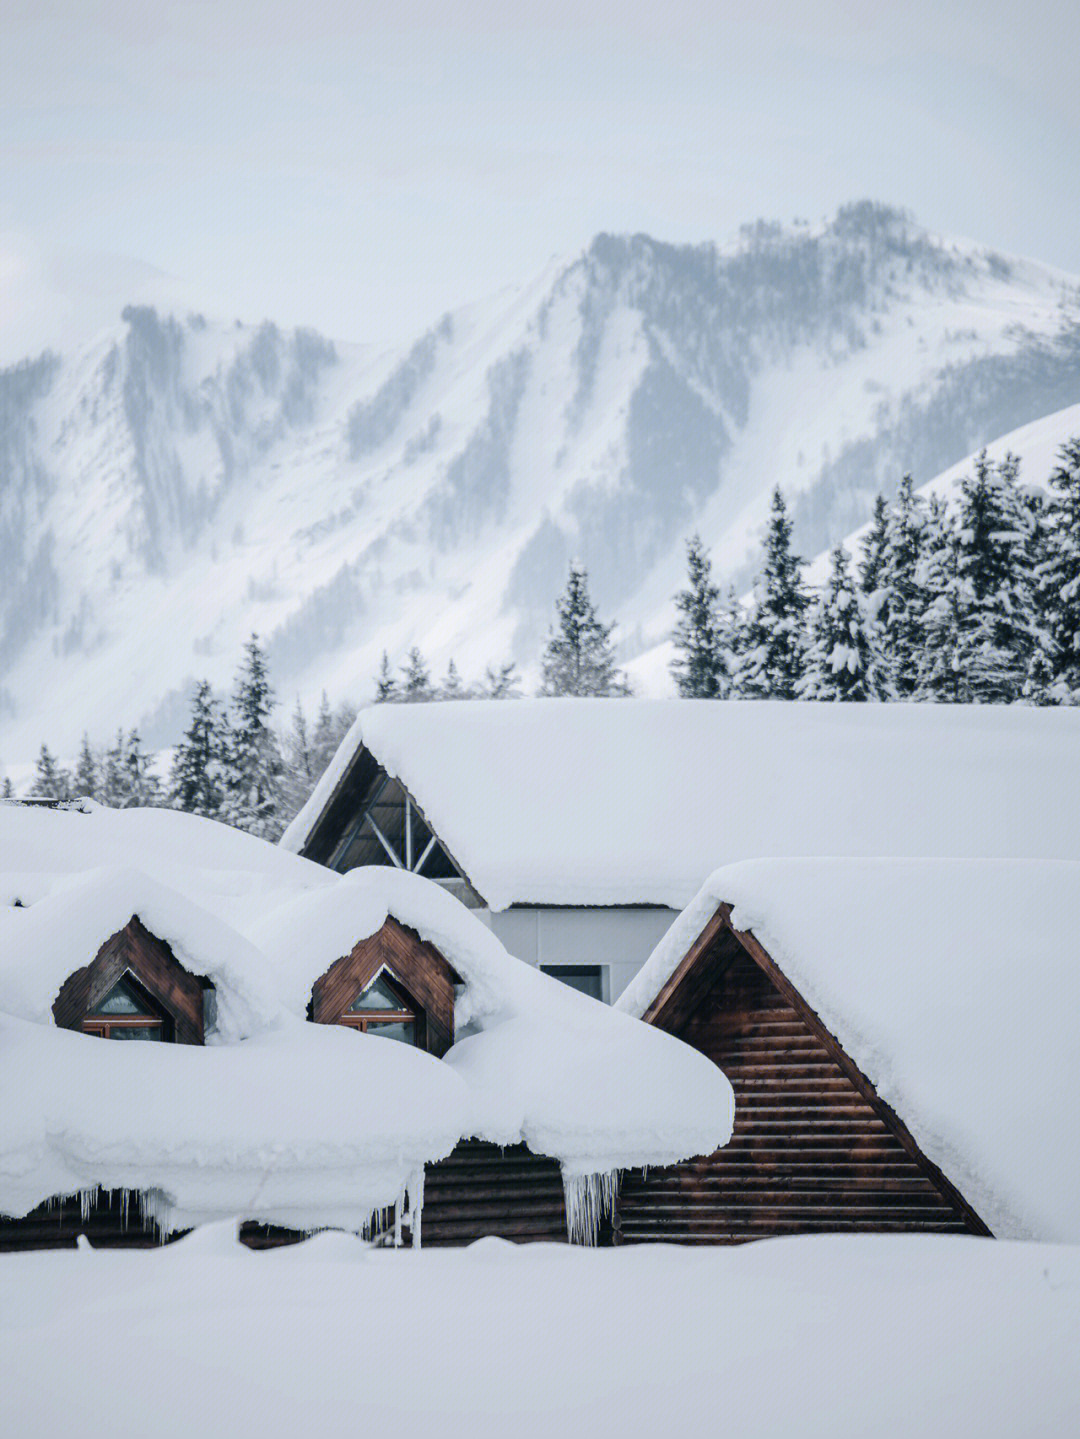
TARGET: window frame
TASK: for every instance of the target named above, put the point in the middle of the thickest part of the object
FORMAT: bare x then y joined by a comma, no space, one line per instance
149,1016
407,1013
101,1026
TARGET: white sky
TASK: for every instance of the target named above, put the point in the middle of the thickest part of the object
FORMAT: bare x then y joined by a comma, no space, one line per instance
363,166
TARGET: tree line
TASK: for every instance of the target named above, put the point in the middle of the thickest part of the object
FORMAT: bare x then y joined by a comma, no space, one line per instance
977,602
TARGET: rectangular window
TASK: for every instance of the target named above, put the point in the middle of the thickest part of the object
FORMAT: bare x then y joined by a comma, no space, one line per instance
589,978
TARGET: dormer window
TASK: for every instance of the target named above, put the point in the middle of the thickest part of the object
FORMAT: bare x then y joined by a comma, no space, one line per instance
382,1008
126,1012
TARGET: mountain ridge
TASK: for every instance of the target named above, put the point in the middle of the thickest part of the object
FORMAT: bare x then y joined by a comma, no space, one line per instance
197,481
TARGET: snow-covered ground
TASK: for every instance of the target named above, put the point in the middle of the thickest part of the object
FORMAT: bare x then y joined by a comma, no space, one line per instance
845,1337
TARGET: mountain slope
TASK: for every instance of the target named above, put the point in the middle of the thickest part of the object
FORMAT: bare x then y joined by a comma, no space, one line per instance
180,483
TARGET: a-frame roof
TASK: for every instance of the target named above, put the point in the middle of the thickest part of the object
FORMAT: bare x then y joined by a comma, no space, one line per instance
616,802
951,987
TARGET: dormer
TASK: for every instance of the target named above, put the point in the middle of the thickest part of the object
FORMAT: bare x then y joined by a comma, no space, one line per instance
392,984
134,988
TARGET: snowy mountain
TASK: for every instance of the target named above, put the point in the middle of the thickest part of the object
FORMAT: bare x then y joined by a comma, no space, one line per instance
179,483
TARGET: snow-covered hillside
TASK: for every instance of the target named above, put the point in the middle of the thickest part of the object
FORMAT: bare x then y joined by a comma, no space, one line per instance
179,483
1038,446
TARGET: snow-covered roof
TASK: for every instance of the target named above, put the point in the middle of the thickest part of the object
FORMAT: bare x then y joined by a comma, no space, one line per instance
276,1118
609,802
954,986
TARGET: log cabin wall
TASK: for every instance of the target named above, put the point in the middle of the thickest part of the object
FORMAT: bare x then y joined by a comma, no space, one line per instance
480,1189
418,966
812,1151
110,1220
153,965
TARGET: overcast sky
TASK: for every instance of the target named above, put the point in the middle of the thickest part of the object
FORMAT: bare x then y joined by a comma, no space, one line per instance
362,167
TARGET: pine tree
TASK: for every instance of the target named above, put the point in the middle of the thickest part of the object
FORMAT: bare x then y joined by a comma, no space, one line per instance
298,765
51,780
698,667
86,780
775,640
143,788
900,599
451,687
323,740
997,619
732,642
386,686
843,661
937,673
7,789
578,659
253,771
416,686
873,551
114,778
1059,577
196,782
501,683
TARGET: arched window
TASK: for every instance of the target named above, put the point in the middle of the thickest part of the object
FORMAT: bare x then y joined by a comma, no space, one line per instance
382,1008
126,1012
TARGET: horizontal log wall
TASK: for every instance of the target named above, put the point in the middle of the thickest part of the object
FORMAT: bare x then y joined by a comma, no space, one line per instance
481,1189
809,1154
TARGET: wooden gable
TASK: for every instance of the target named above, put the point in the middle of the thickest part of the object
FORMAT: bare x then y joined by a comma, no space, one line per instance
154,966
814,1148
415,966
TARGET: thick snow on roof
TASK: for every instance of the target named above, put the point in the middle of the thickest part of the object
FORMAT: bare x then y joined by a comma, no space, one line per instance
544,1064
39,943
595,802
954,986
203,860
276,1118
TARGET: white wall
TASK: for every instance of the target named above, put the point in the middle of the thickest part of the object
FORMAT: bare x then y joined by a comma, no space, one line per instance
620,940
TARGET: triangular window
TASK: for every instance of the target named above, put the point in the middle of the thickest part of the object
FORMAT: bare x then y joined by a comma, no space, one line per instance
381,1008
123,998
126,1012
380,995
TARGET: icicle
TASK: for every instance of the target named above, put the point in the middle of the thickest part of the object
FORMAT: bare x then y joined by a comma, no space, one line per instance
399,1204
589,1199
86,1199
414,1193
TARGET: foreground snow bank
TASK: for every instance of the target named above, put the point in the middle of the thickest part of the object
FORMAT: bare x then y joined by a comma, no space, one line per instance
824,1338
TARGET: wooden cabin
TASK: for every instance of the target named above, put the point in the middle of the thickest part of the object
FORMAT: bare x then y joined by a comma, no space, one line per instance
815,1149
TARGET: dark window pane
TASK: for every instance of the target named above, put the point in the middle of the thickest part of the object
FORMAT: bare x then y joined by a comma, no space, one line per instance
406,1032
121,999
588,978
135,1031
378,995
